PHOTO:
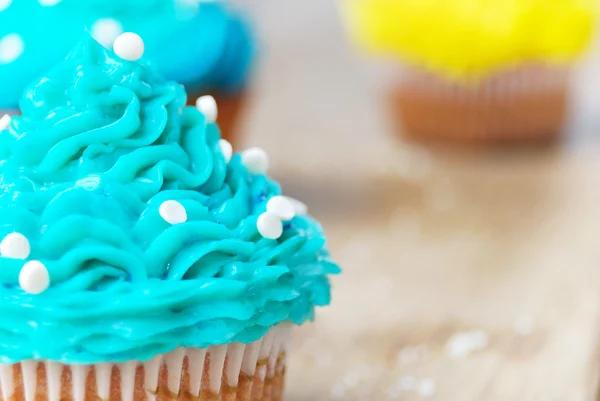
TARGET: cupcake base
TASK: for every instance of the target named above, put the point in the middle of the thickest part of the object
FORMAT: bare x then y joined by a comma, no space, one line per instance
230,109
526,104
234,372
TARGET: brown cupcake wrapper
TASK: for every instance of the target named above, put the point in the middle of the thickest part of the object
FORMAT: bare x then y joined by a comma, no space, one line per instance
233,372
230,107
527,103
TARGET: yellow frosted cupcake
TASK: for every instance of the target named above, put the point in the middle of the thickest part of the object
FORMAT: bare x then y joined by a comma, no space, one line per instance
474,69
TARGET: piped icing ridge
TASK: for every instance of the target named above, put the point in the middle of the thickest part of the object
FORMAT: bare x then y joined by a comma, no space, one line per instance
467,39
95,175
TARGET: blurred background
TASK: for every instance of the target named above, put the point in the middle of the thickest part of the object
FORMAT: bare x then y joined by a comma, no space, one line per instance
471,272
469,243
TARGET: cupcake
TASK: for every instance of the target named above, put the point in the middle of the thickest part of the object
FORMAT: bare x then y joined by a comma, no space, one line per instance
207,46
475,70
140,259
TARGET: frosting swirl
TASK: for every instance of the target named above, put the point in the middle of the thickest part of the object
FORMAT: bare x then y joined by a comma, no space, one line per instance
101,144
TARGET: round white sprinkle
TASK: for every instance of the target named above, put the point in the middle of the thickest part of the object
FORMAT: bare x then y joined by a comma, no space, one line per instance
4,122
256,160
34,277
226,149
106,31
172,212
426,388
129,46
15,246
49,3
4,4
281,207
11,47
207,105
299,207
269,225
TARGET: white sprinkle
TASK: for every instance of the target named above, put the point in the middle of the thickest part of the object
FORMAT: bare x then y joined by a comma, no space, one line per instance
11,47
269,226
226,149
426,388
410,355
524,325
461,345
106,31
15,246
256,160
299,207
338,392
407,383
4,4
207,105
34,277
173,212
129,46
49,3
281,207
5,122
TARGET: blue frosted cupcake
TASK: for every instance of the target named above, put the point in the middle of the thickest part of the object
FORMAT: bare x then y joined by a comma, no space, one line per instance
207,46
140,259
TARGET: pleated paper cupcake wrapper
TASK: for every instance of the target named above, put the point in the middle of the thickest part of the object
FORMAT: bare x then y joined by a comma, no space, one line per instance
234,372
527,103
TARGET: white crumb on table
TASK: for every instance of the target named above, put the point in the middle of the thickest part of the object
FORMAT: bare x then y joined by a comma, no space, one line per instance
461,345
426,388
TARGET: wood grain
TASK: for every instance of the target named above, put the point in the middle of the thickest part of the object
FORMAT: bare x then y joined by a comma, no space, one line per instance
434,242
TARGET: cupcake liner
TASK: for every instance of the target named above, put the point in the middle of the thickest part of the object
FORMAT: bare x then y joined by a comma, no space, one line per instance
233,372
231,107
526,103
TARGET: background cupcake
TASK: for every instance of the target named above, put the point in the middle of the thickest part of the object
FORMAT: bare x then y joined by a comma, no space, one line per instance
207,46
474,70
139,259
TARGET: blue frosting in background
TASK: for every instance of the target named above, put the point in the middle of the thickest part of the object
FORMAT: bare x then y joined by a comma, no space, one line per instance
208,47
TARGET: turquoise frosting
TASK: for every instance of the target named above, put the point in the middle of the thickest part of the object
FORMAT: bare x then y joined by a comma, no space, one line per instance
207,46
101,143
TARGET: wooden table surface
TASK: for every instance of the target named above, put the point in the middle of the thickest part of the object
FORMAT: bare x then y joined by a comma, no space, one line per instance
468,274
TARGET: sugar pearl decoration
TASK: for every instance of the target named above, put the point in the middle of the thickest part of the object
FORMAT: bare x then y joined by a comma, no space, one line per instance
11,48
129,46
226,149
172,212
106,31
4,122
256,160
269,225
34,277
207,105
281,207
299,207
4,4
15,246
